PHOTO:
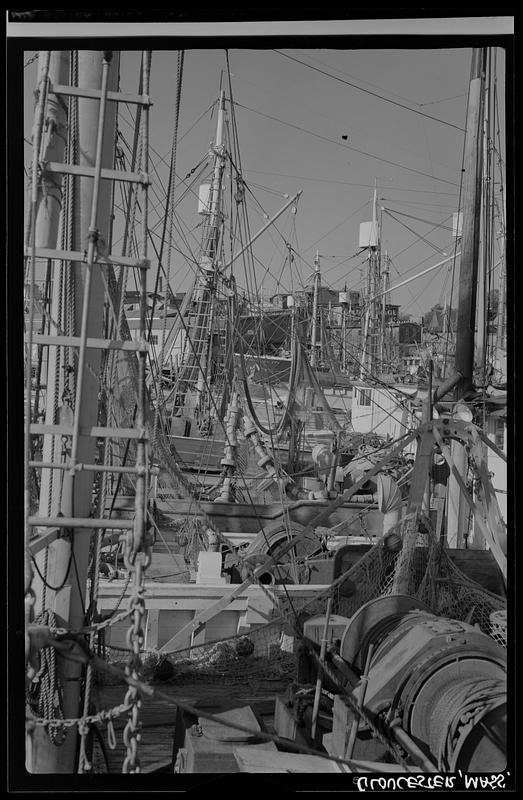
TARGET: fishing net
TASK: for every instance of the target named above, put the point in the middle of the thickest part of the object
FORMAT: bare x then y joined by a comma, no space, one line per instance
409,560
244,659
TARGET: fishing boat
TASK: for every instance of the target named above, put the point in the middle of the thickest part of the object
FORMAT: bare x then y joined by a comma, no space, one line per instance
370,589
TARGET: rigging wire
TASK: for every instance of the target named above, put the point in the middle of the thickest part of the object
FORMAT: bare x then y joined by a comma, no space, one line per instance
419,236
346,146
419,219
367,91
169,202
348,183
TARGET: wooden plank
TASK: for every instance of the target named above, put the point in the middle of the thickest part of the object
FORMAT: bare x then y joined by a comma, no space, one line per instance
89,172
44,540
80,256
212,729
78,522
95,94
493,446
253,759
95,431
208,755
151,630
159,766
100,344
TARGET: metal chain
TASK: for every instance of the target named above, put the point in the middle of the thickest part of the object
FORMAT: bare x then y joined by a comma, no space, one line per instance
135,640
91,719
95,627
83,764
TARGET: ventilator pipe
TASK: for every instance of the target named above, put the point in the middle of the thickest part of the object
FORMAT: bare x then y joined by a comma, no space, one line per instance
389,501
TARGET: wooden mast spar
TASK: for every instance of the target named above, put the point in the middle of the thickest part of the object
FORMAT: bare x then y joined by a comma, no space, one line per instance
62,555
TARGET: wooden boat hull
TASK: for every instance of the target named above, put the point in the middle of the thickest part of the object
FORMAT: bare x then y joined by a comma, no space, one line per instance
170,606
251,518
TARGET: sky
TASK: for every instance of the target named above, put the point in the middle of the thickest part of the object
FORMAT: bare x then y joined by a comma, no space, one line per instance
333,123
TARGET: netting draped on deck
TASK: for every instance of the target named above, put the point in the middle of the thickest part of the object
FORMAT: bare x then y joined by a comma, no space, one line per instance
413,563
409,562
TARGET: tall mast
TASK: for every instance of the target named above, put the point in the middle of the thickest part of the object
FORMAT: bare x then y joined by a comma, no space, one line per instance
468,275
466,320
370,239
385,280
375,285
96,132
314,336
343,343
500,340
210,253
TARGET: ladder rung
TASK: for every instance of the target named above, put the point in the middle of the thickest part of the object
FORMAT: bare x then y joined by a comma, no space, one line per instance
77,255
77,522
96,432
89,172
117,97
38,543
74,341
90,467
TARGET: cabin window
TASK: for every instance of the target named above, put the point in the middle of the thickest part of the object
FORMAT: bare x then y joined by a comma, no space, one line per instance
153,338
364,397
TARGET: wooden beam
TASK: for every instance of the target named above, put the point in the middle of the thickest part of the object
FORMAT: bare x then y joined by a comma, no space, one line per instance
89,172
102,344
95,94
493,446
80,256
78,522
95,431
43,540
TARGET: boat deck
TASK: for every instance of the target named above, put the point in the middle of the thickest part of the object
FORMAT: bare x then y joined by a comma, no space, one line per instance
158,717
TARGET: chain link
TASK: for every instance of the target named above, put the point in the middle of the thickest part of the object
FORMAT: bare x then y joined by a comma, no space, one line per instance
91,719
135,640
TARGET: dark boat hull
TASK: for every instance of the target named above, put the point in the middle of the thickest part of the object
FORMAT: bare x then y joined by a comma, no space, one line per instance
252,518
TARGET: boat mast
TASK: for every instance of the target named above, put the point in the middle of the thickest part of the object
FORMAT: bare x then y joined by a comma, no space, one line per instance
500,346
343,343
468,274
370,238
314,335
457,527
208,276
385,280
96,132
